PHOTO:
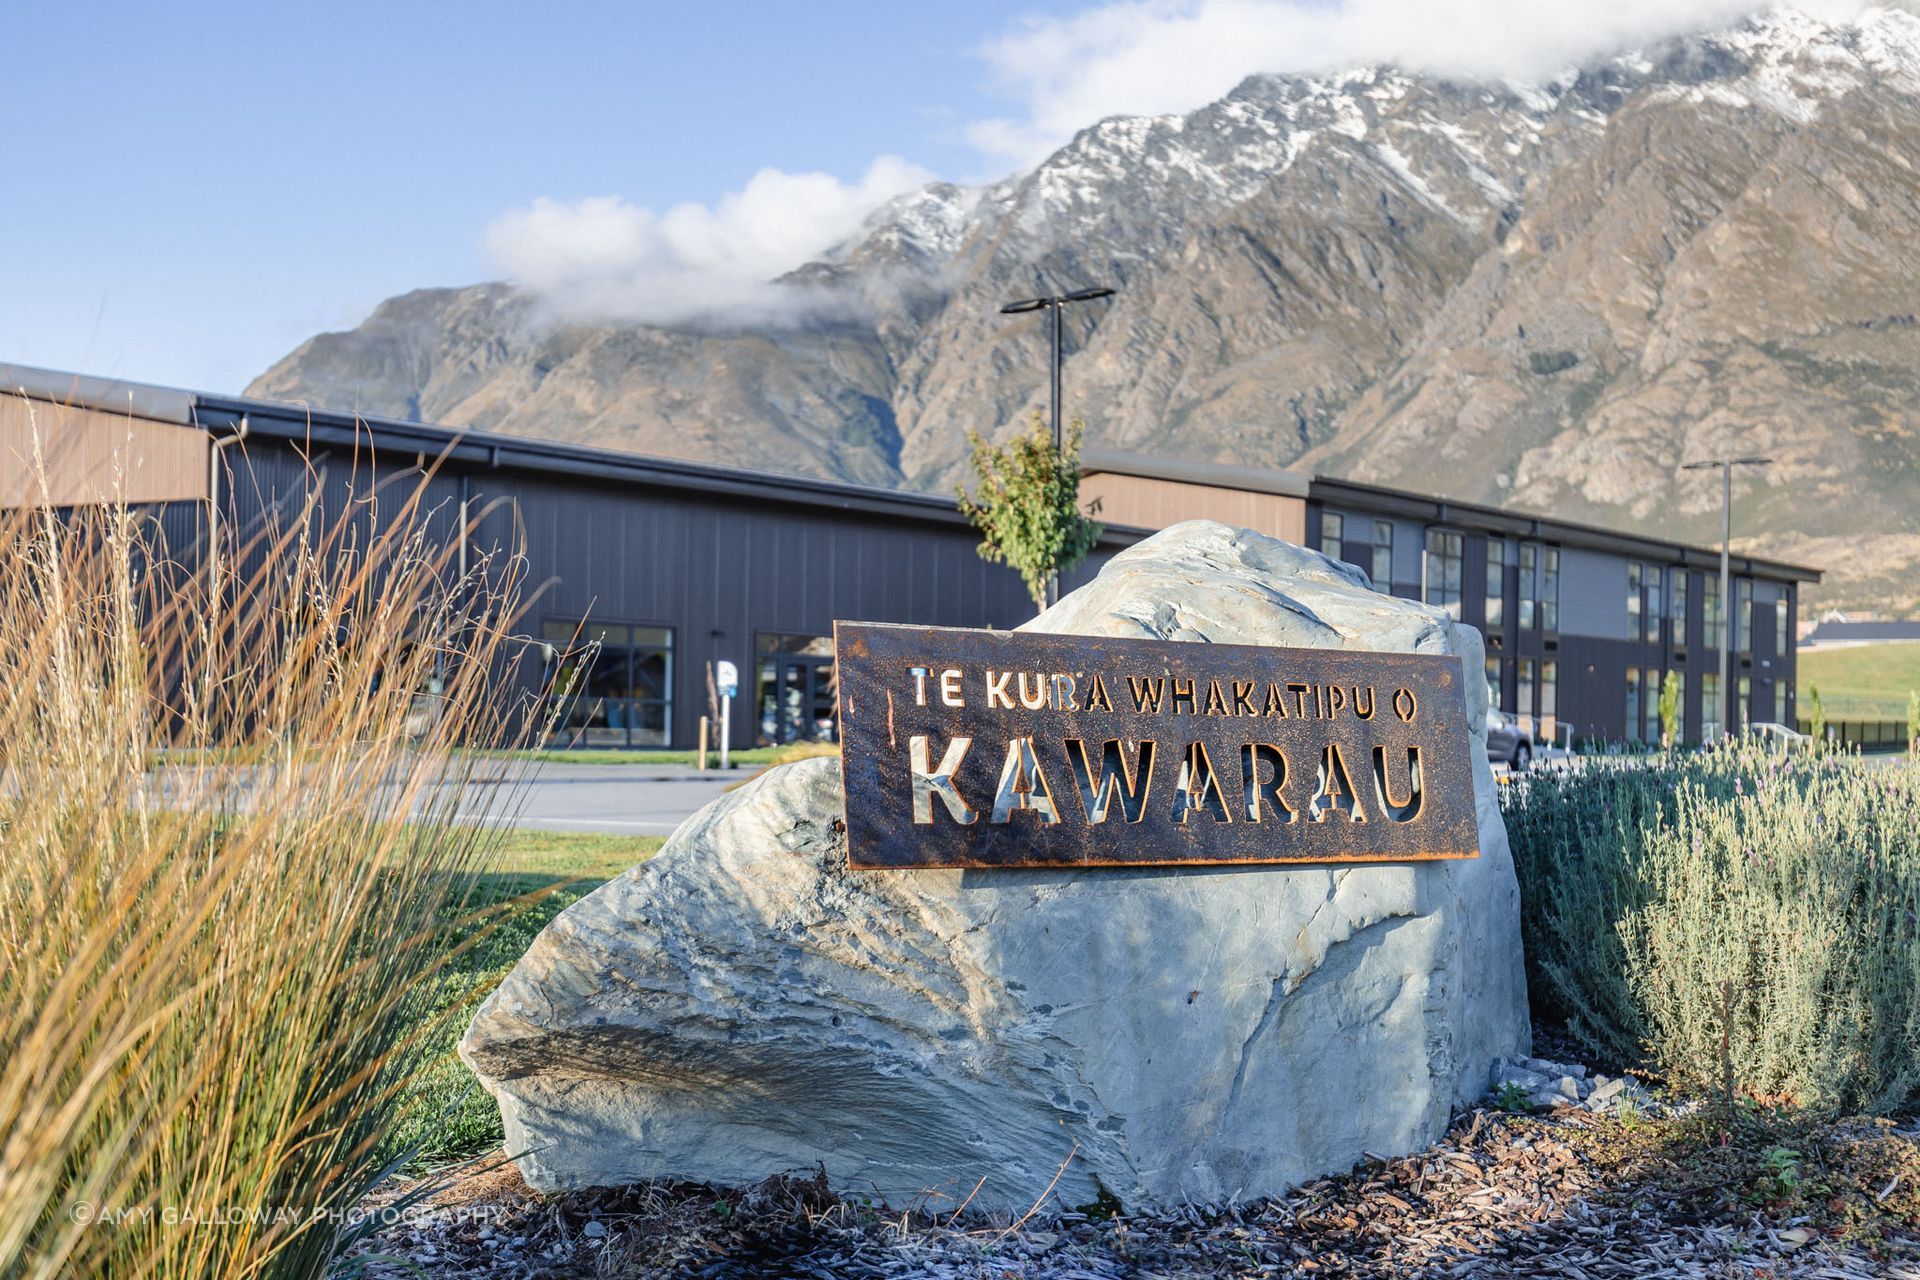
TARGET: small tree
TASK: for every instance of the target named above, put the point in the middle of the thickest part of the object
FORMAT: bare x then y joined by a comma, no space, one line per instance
1027,506
1670,709
1816,714
1913,723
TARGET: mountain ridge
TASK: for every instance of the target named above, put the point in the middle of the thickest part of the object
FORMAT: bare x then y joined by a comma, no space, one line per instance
1544,296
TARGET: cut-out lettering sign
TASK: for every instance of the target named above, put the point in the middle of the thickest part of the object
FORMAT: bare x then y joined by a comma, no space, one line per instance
966,748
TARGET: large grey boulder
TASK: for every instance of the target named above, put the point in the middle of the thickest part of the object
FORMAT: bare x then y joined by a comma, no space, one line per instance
744,1004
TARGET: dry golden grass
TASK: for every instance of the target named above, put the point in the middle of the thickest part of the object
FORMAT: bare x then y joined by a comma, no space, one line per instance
213,978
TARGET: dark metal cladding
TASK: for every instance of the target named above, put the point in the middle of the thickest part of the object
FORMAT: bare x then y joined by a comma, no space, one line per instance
966,748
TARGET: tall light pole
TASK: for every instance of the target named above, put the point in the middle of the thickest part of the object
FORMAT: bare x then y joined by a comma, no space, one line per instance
1057,305
1726,466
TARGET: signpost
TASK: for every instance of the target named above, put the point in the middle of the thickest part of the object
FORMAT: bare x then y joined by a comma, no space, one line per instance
965,748
726,677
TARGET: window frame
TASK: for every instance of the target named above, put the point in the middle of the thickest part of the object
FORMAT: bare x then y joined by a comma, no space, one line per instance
1337,550
1678,591
1381,528
1450,596
1713,612
1540,587
1529,567
1496,589
633,706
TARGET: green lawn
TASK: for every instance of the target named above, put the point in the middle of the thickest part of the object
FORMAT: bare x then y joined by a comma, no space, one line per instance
448,1116
1862,682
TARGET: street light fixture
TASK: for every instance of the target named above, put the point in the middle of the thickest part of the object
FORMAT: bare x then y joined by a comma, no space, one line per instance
1057,305
1726,466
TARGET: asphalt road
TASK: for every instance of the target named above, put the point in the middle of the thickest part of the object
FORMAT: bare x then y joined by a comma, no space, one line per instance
627,799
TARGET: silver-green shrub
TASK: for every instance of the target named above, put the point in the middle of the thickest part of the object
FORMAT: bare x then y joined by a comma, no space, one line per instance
1732,908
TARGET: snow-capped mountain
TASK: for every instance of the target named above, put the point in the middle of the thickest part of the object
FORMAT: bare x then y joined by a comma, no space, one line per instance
1545,295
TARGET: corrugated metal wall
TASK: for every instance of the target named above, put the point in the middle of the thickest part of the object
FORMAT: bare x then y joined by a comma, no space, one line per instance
718,571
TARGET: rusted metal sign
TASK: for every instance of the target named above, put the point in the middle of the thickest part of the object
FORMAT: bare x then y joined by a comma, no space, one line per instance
966,748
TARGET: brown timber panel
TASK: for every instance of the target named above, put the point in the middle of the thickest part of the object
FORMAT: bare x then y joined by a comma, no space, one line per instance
91,456
1149,503
964,748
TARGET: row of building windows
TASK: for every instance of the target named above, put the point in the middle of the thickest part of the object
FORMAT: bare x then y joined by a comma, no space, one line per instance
1536,703
1655,593
1539,579
1643,703
1379,566
1649,584
1442,573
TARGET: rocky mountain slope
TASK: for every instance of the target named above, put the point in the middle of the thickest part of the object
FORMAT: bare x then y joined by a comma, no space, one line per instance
1546,296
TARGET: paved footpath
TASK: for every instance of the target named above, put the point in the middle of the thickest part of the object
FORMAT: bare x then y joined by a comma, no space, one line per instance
625,799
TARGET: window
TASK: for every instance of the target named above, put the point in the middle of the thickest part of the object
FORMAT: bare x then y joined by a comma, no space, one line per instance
1529,569
1712,710
1677,607
1523,695
1680,706
1780,646
611,684
1743,705
1550,589
1495,678
1715,617
1742,615
1539,587
1650,706
796,693
1496,583
1549,699
1446,551
1383,556
1634,696
1333,532
1643,601
1780,702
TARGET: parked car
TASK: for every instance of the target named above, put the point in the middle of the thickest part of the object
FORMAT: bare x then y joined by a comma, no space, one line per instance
1508,742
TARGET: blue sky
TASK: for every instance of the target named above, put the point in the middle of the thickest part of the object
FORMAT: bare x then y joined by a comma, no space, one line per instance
193,189
196,189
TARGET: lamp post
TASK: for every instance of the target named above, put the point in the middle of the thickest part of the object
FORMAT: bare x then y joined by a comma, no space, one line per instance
1057,305
1726,466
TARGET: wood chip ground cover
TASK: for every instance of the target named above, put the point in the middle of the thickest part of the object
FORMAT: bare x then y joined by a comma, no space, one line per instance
1567,1194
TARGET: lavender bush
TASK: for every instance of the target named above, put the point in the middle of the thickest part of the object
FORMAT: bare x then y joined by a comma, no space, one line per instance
1731,913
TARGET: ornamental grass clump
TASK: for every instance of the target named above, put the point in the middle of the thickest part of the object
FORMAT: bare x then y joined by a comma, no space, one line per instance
1739,920
230,802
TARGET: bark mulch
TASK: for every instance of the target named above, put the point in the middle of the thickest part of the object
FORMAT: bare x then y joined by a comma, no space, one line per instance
1567,1194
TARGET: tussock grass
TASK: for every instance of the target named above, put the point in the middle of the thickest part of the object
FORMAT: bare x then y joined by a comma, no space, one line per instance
216,979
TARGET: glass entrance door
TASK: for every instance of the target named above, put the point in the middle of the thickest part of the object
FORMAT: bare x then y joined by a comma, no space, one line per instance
796,690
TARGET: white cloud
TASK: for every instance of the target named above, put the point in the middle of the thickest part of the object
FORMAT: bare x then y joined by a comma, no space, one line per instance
1150,57
603,258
